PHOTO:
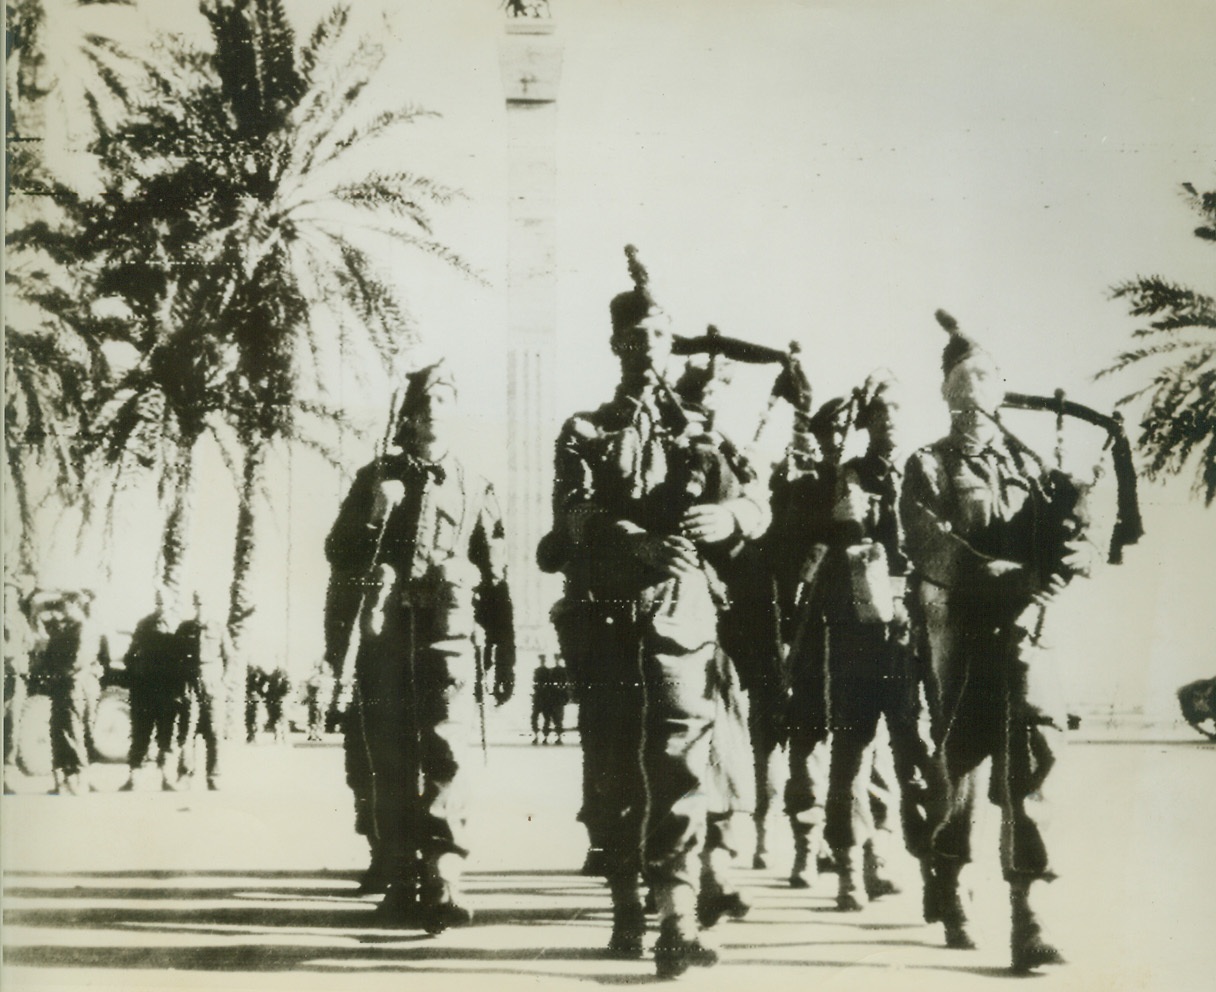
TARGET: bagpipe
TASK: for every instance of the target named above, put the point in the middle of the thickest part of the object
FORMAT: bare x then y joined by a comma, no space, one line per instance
1064,494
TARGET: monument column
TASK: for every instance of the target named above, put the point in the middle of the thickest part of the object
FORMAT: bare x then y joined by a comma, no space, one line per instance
531,60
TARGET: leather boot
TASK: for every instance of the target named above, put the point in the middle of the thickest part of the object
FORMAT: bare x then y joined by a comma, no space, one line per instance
873,873
802,848
437,906
759,859
850,892
718,896
949,904
679,945
929,899
1028,948
628,918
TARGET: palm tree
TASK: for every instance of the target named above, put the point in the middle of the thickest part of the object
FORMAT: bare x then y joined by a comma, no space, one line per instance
1179,344
66,66
243,236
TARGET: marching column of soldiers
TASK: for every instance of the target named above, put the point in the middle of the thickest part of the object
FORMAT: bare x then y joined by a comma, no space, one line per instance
882,621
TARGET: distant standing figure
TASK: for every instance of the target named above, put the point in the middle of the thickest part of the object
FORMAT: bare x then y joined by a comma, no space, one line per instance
277,688
153,667
73,660
18,644
206,653
550,694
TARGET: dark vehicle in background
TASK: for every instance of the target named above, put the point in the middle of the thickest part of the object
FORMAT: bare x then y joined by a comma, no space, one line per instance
1197,701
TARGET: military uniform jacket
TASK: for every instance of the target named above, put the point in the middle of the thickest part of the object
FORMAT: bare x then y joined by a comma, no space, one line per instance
626,468
445,543
964,506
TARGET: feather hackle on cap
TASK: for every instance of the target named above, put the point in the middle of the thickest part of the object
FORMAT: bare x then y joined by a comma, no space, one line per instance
634,304
959,348
637,271
949,324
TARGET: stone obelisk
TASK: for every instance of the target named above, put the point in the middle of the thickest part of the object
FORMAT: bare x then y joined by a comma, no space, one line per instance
531,60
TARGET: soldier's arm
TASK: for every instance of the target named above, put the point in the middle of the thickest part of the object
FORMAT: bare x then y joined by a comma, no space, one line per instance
495,611
937,553
352,539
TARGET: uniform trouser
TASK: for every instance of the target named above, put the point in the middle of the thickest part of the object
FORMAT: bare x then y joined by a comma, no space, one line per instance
766,729
993,698
73,703
416,717
614,793
646,742
358,770
202,715
16,691
677,725
151,719
873,678
806,787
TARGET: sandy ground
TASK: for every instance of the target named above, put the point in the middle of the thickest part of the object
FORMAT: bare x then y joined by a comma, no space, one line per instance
251,888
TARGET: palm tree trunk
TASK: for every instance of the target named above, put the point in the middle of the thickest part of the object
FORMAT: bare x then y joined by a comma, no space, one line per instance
15,485
241,599
175,540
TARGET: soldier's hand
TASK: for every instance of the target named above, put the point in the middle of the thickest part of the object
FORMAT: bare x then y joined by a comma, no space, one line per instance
1055,586
708,523
1010,578
900,625
385,497
672,555
504,684
853,506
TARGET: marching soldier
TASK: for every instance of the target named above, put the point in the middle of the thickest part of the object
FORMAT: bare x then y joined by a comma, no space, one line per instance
988,559
872,674
803,494
639,509
425,536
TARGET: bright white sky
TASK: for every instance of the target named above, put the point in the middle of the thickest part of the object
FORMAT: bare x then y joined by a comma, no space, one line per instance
833,172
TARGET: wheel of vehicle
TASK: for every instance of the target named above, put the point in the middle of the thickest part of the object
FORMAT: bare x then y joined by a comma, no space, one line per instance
112,725
34,742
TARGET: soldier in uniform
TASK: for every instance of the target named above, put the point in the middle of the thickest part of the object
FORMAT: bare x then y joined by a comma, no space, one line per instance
74,658
426,535
639,510
803,491
18,645
872,674
153,667
205,651
989,556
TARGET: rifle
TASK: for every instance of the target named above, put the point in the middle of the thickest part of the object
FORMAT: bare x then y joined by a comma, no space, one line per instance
344,689
1129,526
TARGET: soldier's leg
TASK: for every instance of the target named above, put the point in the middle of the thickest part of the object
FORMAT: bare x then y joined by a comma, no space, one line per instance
212,711
187,732
766,731
446,679
806,787
16,691
678,723
730,786
1033,735
917,774
972,715
164,712
143,722
386,725
853,660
